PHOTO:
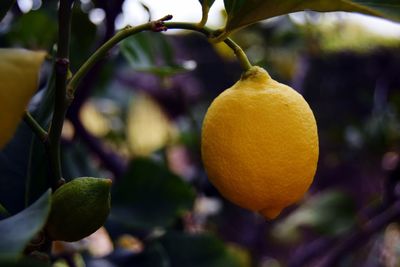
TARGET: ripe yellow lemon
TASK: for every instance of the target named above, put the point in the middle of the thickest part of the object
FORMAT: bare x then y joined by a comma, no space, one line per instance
260,144
19,73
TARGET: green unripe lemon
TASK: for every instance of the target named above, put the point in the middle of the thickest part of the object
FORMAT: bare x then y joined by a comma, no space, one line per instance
79,208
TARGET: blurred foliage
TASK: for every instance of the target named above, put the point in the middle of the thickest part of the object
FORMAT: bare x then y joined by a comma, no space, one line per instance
28,31
148,98
152,195
329,213
147,52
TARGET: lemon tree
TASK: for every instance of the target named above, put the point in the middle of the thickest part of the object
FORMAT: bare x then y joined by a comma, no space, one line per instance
259,139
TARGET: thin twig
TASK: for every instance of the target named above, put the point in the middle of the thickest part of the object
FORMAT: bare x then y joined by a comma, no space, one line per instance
61,101
36,128
158,25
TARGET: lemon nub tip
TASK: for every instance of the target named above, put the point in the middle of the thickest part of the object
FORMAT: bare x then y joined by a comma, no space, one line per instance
270,213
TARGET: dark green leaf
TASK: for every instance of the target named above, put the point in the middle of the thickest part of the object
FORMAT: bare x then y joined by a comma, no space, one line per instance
83,39
4,7
149,195
149,52
18,230
197,250
232,6
28,30
13,168
244,12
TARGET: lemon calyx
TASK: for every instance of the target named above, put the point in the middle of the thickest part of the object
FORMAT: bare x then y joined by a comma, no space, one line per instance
255,78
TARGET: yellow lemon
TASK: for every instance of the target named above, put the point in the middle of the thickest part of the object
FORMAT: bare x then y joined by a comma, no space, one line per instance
148,127
79,208
19,73
260,144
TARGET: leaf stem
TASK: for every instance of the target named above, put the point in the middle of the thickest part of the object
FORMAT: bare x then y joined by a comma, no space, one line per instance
157,26
36,128
204,17
240,54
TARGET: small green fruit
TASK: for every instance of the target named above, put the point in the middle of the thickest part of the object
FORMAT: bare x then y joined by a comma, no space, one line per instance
79,208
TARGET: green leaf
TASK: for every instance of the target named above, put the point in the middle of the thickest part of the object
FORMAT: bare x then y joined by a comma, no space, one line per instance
4,7
13,168
85,35
197,250
28,30
232,7
245,12
149,196
149,52
16,231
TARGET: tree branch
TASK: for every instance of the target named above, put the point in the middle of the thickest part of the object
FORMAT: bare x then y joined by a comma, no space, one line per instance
361,235
61,100
157,26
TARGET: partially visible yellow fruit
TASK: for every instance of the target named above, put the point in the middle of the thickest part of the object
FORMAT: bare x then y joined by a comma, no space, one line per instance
148,127
79,208
93,120
260,144
19,73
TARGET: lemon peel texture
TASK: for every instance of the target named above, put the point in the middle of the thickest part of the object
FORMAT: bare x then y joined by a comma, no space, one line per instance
260,144
79,208
19,73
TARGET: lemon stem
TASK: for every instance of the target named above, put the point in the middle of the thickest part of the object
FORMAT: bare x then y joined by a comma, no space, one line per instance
156,26
240,54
